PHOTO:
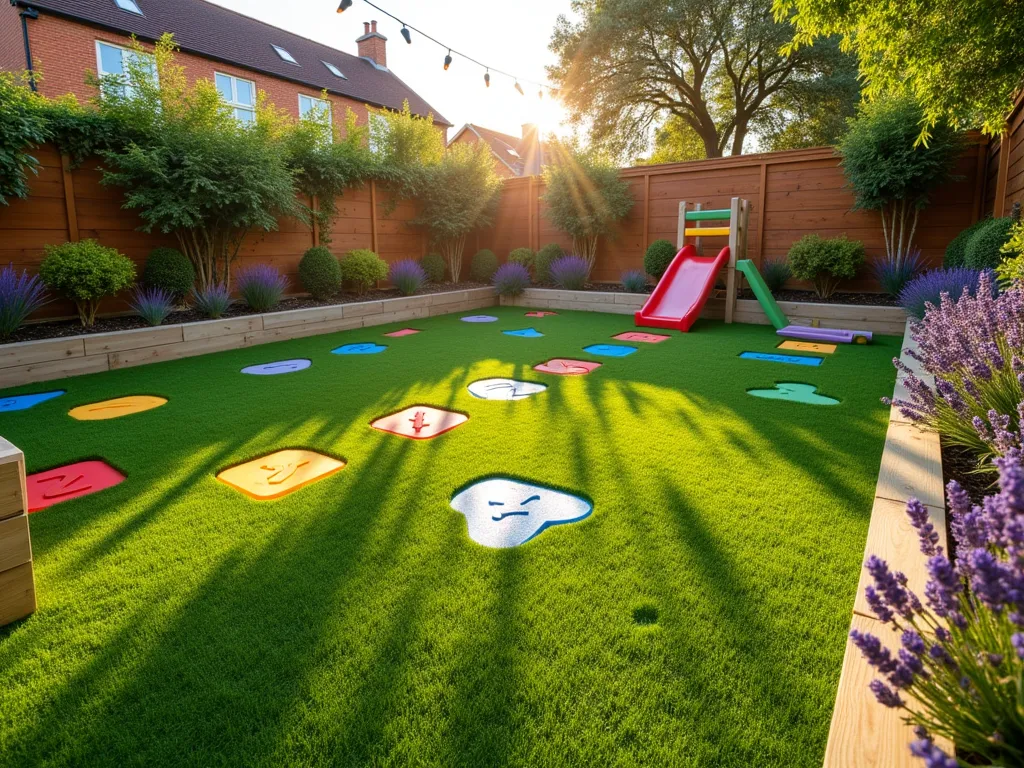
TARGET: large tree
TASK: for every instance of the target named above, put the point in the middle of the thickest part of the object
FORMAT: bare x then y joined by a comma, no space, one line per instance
627,65
961,60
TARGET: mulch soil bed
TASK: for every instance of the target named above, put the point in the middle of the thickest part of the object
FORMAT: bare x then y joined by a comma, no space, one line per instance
858,299
960,464
61,328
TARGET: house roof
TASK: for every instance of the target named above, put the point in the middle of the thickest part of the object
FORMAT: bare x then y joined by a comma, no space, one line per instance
508,149
215,32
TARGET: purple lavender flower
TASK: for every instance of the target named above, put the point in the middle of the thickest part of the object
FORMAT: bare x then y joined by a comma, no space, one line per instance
570,272
944,586
20,296
932,754
634,281
511,279
407,276
212,301
912,642
152,304
262,286
1017,639
877,605
877,655
886,696
894,271
928,288
918,514
987,580
889,586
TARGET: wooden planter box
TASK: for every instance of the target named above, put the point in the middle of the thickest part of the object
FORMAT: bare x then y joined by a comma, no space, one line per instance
28,362
17,584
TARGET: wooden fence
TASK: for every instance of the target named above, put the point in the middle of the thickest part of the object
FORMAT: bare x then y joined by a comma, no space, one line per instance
1003,167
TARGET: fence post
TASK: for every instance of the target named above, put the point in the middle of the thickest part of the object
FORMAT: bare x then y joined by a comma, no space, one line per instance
1002,177
373,216
647,209
736,238
314,205
761,203
69,198
17,585
681,226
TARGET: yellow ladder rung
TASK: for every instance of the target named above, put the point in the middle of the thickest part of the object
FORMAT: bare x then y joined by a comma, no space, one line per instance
706,231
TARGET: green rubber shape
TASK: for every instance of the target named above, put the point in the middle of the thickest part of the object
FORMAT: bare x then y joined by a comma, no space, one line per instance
798,393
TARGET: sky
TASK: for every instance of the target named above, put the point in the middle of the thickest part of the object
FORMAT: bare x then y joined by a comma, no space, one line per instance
512,37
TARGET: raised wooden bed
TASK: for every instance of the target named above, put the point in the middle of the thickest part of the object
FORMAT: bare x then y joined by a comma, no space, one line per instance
887,320
31,361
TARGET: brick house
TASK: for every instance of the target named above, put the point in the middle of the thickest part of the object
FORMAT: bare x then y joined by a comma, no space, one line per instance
63,39
523,156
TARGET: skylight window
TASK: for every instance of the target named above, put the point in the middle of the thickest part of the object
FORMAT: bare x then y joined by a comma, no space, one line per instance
128,5
512,152
285,56
334,70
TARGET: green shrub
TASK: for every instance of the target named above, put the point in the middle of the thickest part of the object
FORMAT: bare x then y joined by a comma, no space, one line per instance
484,265
320,273
524,256
659,255
169,270
433,265
542,261
86,272
985,247
364,268
956,251
825,261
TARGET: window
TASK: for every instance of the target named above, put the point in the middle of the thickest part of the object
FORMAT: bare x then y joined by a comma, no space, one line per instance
112,61
334,70
240,94
378,131
284,54
311,108
128,5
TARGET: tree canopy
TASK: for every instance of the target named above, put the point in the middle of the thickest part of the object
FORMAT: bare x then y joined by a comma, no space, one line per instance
713,65
960,59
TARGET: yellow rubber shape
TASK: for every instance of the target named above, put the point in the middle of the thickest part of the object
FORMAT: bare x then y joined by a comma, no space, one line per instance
113,409
706,231
278,474
808,346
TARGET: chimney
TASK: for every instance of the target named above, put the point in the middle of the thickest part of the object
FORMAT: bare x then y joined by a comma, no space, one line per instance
531,151
372,45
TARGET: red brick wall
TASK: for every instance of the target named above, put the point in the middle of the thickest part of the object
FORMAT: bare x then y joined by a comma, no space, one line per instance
12,47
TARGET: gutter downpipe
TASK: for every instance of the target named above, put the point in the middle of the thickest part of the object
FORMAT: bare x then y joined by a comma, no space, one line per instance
28,13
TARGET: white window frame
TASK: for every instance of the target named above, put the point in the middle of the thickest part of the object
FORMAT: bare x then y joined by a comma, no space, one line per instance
285,55
124,50
317,101
234,103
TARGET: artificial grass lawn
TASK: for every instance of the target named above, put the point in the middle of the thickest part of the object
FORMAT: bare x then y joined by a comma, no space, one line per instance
697,617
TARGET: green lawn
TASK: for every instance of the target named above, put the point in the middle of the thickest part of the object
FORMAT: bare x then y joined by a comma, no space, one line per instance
354,623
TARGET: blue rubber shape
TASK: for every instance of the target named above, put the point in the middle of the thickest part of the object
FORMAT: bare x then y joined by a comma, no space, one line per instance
366,348
787,359
610,350
23,402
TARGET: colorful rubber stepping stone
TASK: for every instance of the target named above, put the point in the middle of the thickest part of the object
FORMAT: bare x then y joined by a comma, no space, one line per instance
610,350
525,333
502,513
69,482
280,473
787,359
504,389
808,346
540,314
420,422
24,402
282,366
478,319
798,393
566,367
403,332
364,348
119,406
644,338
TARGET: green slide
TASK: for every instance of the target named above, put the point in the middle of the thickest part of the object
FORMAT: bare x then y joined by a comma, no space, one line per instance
764,296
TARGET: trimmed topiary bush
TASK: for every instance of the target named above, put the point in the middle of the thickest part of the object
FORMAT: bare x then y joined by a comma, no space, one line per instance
634,281
659,255
825,261
433,265
484,265
984,248
407,276
262,286
524,256
86,272
364,268
956,251
542,261
169,270
511,279
320,273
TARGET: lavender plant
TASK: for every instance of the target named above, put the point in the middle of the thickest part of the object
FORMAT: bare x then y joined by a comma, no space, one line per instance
570,272
975,349
408,276
262,286
775,271
930,286
962,654
895,270
152,304
634,281
511,279
212,301
20,296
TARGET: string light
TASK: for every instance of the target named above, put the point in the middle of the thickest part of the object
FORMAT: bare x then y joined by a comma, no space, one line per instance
345,4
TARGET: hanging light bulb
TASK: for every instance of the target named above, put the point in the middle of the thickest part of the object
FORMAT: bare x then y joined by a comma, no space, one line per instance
487,78
519,88
344,5
540,94
448,60
406,34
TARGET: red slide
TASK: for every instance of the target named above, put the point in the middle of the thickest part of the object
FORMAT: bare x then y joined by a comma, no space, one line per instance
680,294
